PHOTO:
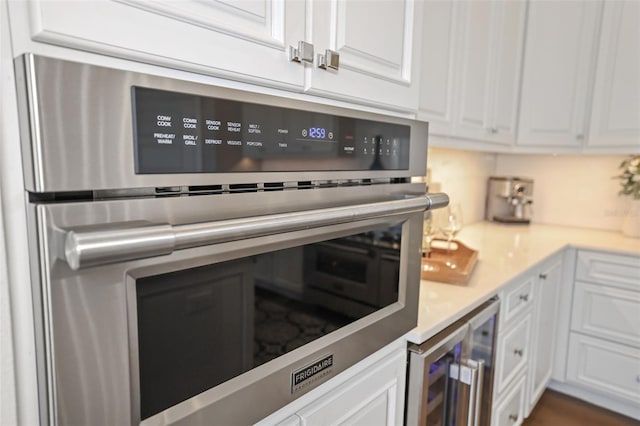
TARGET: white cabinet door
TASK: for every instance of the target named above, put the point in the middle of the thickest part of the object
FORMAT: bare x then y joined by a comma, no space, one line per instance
545,315
489,69
604,367
615,118
375,398
439,29
378,47
506,74
474,69
608,313
559,54
241,40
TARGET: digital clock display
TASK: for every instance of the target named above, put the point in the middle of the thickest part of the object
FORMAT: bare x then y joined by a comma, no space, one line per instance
317,132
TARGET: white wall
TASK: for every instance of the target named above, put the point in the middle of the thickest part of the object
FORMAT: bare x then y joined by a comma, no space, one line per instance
572,190
463,175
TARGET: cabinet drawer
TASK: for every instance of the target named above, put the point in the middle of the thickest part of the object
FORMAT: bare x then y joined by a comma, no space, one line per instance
607,312
513,353
517,300
509,411
609,269
604,367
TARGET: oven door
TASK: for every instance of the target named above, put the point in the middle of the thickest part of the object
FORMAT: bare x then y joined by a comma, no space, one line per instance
193,310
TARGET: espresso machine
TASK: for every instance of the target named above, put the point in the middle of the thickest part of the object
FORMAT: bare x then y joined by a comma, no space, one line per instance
509,199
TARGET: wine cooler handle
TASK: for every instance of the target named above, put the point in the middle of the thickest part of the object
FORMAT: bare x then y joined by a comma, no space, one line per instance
479,394
476,380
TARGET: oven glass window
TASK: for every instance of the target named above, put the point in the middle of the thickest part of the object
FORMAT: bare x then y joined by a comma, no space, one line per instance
200,327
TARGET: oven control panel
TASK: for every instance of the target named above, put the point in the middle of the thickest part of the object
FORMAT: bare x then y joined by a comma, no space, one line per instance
184,133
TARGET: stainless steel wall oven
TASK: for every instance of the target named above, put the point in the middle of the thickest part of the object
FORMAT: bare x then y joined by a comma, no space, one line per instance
203,255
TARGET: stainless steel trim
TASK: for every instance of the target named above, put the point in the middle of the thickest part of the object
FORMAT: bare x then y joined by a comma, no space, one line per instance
34,121
113,243
479,388
48,417
482,314
433,347
437,200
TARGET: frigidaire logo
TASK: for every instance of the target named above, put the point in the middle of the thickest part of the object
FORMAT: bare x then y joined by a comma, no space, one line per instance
309,374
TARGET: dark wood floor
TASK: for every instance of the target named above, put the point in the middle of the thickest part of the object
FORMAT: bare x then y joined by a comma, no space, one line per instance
557,409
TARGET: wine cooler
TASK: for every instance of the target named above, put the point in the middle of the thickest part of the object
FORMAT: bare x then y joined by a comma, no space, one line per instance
451,374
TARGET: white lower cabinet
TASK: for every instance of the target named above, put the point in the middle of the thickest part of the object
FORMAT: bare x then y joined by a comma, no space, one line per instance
513,349
602,361
370,399
370,393
547,285
510,410
524,357
604,367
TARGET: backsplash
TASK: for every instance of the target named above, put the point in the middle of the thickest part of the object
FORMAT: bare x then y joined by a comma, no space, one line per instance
572,190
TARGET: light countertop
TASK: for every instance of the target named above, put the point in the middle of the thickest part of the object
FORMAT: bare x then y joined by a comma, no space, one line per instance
504,252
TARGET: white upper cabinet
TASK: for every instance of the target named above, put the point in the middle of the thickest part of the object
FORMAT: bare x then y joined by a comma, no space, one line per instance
488,65
378,49
474,65
506,83
615,118
250,41
247,40
559,58
437,70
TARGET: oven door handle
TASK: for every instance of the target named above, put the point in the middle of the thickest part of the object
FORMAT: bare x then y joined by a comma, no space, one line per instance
124,242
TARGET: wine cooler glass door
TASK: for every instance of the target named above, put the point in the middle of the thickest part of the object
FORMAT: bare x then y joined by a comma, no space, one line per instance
434,385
